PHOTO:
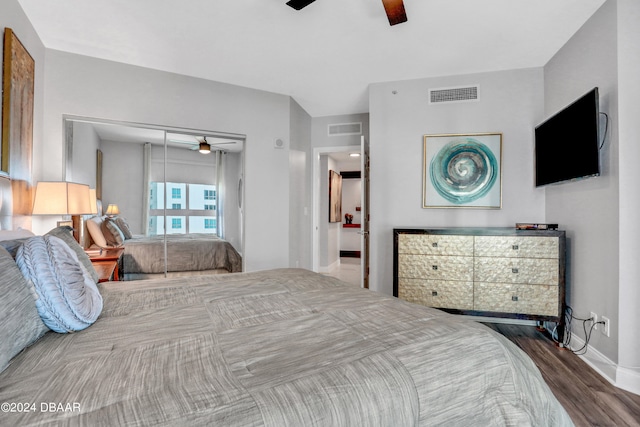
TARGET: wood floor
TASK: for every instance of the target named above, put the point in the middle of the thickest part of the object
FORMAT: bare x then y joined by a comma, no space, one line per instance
589,399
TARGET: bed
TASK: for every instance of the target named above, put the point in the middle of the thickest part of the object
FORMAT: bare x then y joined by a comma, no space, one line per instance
143,258
273,348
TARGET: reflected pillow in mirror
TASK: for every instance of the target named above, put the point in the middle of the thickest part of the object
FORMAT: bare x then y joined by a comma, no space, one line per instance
111,232
123,225
95,231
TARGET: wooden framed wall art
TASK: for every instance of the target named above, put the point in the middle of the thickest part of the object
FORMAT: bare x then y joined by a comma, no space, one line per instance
18,79
335,197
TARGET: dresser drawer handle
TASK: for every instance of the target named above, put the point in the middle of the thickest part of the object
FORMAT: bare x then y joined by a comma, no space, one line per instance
434,293
434,244
514,270
514,298
515,247
434,267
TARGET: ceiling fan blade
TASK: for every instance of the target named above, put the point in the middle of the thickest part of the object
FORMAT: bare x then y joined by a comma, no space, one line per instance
395,11
182,141
299,4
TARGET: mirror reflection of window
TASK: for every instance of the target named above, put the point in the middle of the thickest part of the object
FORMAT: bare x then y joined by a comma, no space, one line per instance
196,204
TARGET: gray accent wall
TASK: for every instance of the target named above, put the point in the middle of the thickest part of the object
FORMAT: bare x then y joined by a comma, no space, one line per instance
628,370
588,209
511,102
300,190
602,213
89,87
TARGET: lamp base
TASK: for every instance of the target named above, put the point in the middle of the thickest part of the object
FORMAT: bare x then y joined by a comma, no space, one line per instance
78,229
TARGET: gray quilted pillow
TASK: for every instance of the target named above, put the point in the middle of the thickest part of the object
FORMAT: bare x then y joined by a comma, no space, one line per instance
64,233
20,324
68,300
112,233
123,225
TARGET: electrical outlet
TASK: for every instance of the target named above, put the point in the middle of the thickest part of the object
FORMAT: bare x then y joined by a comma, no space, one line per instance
594,319
606,327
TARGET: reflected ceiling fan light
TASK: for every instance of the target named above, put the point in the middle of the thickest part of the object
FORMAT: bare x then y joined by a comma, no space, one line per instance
205,147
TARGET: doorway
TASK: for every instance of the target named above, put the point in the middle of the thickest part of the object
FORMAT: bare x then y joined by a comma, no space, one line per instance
340,249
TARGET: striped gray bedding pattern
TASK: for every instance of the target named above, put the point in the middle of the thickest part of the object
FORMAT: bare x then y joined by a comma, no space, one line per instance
185,252
277,348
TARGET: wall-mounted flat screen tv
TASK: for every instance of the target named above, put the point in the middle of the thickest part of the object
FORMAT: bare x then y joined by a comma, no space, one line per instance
567,144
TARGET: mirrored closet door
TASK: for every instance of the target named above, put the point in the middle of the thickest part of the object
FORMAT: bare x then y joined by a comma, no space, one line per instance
164,181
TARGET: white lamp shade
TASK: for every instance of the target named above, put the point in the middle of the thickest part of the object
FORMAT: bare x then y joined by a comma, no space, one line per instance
61,198
113,209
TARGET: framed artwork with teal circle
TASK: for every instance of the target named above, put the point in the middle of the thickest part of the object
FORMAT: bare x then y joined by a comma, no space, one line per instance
462,171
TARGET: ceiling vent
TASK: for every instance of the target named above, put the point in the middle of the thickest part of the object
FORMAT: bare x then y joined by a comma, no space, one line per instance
454,94
341,129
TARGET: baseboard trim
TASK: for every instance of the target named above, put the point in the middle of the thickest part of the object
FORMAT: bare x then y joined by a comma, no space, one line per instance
624,378
329,268
628,379
503,320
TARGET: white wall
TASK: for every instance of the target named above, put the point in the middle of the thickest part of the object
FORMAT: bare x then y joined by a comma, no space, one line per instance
83,155
329,232
319,130
588,210
232,212
300,189
628,17
90,87
122,180
511,102
324,143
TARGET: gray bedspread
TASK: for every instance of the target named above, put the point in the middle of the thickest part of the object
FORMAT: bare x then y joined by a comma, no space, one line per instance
277,348
185,252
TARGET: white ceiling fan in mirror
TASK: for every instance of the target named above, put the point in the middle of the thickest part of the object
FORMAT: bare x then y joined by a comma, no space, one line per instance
204,145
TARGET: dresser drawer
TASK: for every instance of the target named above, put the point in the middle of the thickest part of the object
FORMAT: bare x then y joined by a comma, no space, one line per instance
435,267
516,270
520,299
435,244
437,293
517,247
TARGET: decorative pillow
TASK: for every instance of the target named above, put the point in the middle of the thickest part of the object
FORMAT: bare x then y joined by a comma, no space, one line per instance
64,233
111,232
93,225
12,245
20,233
20,324
68,300
123,225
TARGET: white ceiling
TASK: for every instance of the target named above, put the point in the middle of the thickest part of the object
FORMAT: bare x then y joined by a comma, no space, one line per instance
325,55
140,135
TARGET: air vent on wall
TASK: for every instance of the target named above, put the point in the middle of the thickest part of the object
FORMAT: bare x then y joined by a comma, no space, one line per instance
454,94
341,129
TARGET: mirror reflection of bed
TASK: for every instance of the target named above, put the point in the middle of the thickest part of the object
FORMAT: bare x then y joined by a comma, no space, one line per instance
180,209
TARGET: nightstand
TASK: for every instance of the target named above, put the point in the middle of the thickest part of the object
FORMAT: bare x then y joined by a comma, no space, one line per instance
106,264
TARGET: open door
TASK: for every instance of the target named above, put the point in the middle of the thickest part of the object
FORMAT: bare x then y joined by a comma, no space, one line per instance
364,230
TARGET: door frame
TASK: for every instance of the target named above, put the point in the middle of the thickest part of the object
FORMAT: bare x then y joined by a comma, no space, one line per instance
315,238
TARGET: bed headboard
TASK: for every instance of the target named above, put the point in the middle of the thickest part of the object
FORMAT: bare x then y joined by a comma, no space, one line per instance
6,204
